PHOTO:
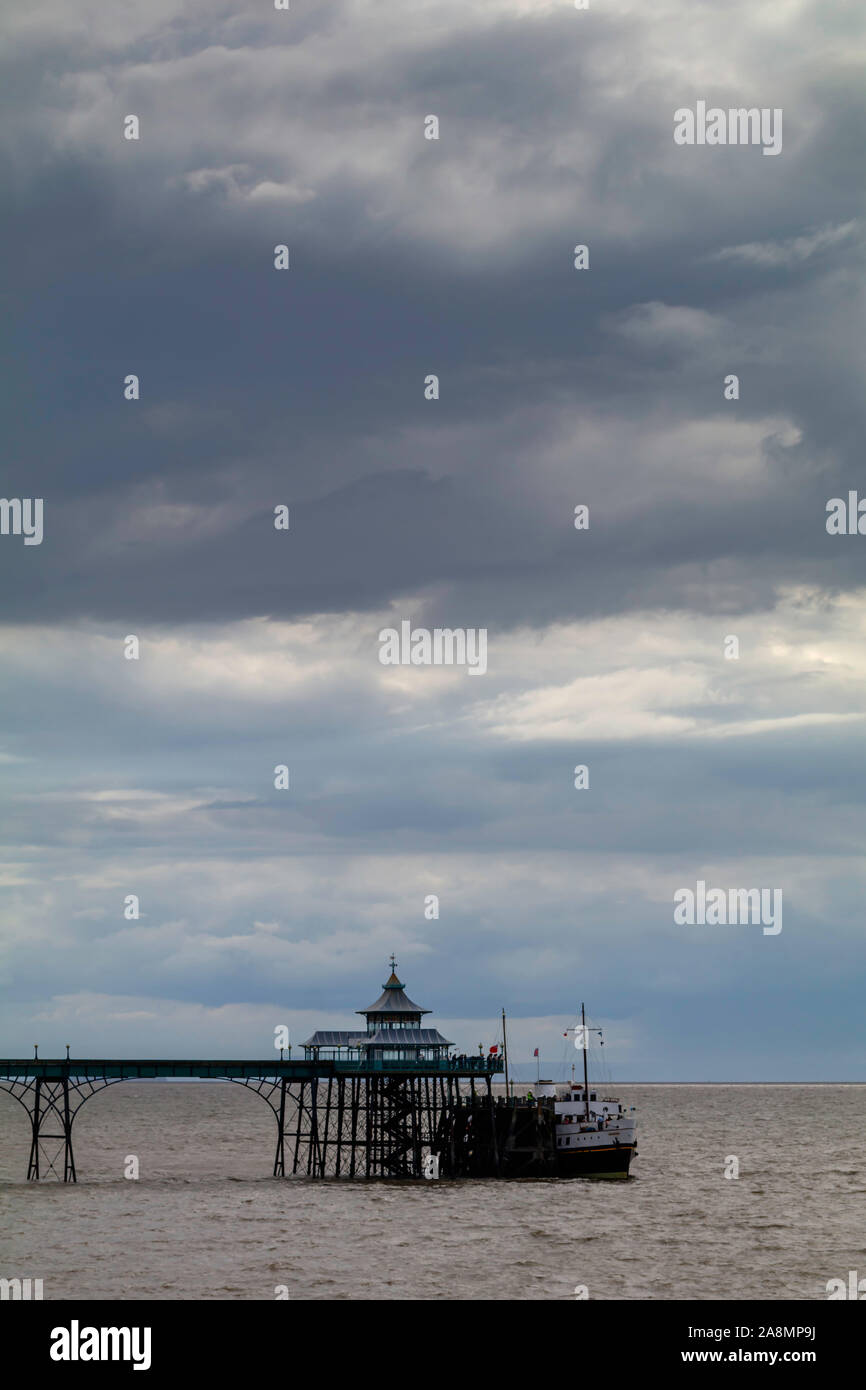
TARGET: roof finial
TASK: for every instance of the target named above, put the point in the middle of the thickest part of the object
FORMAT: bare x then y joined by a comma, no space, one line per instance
393,962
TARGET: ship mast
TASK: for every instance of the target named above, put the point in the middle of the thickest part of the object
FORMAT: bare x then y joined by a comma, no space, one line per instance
585,1068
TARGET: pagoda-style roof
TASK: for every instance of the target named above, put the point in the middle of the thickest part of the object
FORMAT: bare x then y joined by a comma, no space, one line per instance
330,1037
404,1037
393,999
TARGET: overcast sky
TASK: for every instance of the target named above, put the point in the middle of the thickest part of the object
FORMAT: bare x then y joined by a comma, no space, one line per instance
558,387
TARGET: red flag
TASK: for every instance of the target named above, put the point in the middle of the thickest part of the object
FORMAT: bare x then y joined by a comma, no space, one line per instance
495,1047
535,1053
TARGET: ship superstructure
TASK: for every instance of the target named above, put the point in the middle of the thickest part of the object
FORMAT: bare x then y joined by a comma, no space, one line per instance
601,1143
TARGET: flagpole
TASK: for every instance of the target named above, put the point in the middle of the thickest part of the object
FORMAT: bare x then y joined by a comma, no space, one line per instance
585,1062
505,1053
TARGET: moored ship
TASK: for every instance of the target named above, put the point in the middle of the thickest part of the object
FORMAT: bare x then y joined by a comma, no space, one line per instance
595,1135
602,1145
553,1131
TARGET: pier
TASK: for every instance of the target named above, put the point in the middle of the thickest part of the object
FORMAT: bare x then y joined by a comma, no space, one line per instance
356,1118
369,1102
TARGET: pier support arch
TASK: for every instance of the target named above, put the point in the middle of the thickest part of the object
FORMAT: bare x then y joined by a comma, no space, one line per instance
51,1106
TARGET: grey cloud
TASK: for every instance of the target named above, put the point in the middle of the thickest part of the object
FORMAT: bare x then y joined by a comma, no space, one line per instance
411,257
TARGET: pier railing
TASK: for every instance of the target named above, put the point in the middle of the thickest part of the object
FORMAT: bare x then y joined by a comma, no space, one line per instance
298,1069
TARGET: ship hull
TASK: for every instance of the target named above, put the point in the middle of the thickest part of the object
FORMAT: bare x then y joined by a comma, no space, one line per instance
610,1161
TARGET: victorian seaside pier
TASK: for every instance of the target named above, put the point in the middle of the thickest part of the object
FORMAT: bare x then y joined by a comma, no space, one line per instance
372,1102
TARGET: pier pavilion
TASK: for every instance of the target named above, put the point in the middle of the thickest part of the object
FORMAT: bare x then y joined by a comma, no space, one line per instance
393,1033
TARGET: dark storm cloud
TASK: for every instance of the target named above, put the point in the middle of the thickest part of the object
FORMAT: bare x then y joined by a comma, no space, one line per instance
258,388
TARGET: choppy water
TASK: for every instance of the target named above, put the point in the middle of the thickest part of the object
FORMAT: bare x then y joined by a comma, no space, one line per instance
206,1219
